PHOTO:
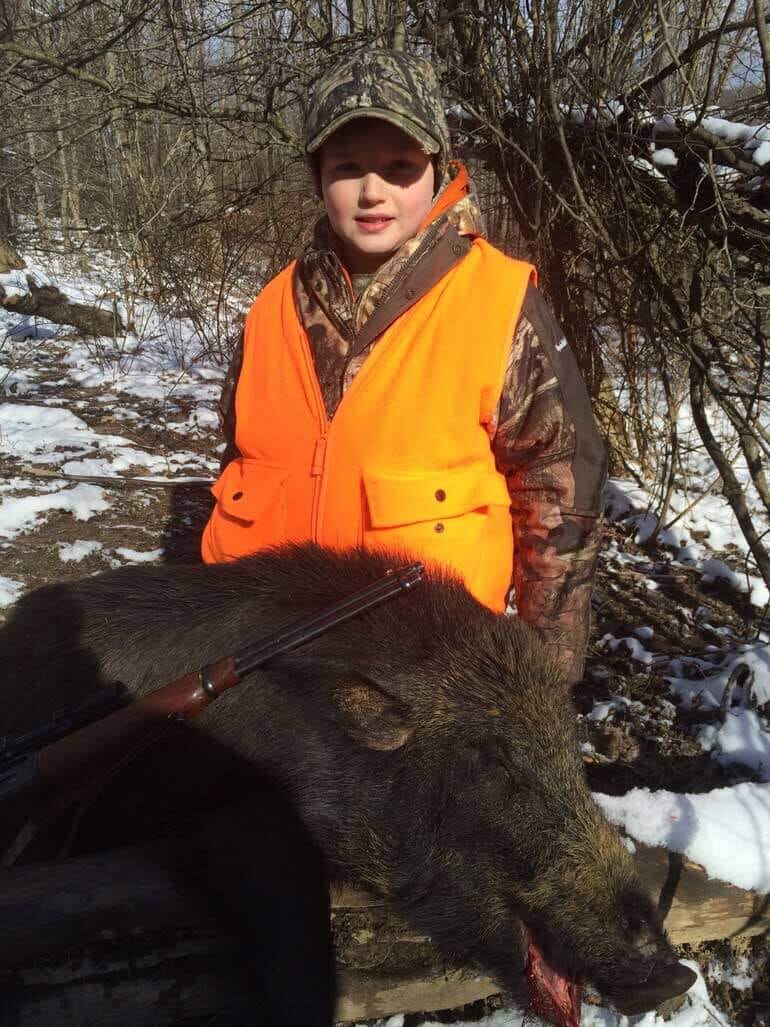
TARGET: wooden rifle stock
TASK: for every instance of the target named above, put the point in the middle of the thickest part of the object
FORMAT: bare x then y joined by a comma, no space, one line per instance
97,748
70,767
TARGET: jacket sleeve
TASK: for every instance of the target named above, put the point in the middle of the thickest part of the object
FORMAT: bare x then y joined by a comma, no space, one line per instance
546,443
227,406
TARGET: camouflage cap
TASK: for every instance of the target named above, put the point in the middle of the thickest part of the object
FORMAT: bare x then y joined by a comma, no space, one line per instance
389,84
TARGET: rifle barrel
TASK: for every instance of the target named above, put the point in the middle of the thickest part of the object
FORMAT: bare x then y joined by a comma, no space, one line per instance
296,634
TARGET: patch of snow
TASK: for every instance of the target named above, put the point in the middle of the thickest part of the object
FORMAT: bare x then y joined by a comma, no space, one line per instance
641,164
717,570
26,431
17,283
10,591
74,552
635,648
202,418
664,158
738,976
136,556
734,131
17,382
726,830
22,513
711,518
743,739
708,691
31,328
601,710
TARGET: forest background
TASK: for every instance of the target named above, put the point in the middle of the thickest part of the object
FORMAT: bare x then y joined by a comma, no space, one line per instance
623,146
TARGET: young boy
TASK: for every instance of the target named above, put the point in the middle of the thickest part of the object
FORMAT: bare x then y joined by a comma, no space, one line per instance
404,384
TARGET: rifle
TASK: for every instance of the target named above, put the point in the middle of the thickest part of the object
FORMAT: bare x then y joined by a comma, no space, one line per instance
57,760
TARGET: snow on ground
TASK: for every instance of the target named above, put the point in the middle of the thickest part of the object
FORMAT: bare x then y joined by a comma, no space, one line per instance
10,591
74,552
726,830
135,556
16,283
20,514
40,434
45,377
710,519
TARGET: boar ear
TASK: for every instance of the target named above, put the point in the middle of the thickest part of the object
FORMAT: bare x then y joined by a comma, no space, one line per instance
369,715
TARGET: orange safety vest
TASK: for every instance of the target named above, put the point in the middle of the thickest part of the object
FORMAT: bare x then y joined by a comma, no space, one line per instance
405,462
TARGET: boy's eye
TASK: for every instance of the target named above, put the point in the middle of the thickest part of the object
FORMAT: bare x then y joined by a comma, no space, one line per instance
402,165
345,167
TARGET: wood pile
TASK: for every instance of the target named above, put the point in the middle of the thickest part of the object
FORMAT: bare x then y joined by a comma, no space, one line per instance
111,939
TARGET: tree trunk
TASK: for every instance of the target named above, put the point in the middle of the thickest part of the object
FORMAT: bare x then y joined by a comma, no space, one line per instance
732,489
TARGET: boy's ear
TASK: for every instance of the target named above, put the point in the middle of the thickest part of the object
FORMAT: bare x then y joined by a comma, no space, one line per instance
369,715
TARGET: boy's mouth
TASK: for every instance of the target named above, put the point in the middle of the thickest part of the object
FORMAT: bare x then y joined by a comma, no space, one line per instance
373,222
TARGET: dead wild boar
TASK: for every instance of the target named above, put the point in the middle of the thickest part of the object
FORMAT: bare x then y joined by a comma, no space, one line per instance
428,747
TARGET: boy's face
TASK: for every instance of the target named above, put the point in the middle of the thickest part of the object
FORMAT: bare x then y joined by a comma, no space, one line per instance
377,186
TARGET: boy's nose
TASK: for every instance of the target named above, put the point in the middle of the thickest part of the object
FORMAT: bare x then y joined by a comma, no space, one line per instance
371,188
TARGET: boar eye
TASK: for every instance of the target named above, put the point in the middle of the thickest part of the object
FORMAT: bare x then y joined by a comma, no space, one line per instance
495,759
494,750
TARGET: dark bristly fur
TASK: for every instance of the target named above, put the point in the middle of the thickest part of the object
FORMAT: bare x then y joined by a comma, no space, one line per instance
427,746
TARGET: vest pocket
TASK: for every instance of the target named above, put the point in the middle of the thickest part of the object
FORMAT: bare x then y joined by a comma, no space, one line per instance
251,507
443,516
458,518
395,500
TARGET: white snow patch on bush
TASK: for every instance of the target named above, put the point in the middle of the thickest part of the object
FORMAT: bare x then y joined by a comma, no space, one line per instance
734,131
665,158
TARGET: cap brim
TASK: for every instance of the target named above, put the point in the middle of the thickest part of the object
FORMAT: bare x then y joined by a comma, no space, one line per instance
425,141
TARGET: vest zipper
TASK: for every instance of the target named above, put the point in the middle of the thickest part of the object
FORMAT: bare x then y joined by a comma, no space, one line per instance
320,452
318,462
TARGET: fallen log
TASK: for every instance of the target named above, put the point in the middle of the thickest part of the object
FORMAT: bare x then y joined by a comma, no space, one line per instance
111,938
25,293
49,302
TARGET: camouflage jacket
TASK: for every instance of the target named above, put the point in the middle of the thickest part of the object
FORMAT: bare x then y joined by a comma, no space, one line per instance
544,437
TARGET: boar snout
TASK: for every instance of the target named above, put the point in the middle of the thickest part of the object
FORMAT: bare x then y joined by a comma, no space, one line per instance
649,974
666,981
